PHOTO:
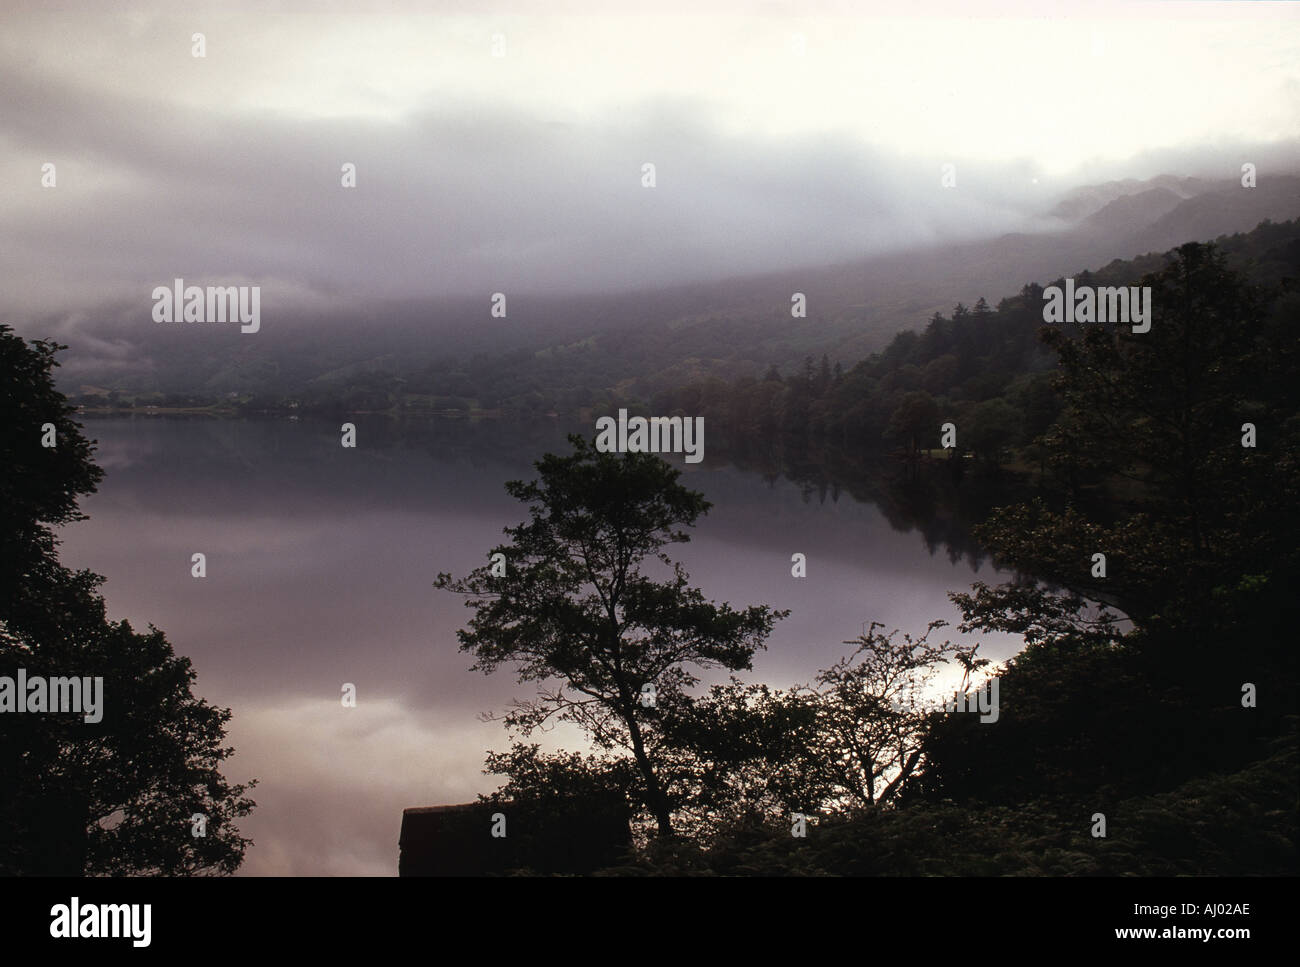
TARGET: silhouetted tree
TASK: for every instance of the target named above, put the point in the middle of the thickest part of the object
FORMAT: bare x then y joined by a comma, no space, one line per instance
574,612
872,714
1201,552
117,796
1153,425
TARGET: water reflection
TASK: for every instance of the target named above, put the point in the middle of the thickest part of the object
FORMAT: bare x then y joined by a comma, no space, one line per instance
319,566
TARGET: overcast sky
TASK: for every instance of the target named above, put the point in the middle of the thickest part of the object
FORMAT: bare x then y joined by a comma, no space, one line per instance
523,172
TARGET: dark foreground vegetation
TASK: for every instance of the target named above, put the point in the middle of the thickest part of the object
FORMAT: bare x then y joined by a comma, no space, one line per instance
122,795
1149,725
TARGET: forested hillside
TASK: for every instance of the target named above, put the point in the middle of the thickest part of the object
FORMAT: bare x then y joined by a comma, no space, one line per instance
983,368
1149,725
564,354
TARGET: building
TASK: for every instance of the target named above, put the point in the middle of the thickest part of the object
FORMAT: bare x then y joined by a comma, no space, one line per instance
569,836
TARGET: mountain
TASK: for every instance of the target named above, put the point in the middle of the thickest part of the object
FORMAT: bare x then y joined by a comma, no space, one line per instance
1130,214
1081,203
645,341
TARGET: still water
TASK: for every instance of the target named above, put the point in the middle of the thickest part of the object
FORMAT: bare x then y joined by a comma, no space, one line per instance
320,561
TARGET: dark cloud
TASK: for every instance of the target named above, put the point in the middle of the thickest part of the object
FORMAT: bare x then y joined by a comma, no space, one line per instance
455,201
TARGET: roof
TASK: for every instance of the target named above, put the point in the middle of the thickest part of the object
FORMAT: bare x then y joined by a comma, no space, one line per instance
544,836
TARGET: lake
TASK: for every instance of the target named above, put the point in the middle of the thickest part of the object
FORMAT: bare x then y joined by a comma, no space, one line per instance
320,561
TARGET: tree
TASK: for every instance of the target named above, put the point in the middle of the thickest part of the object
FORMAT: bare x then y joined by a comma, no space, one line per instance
1149,445
915,419
824,376
573,611
117,796
1199,536
40,484
990,428
850,741
743,757
871,715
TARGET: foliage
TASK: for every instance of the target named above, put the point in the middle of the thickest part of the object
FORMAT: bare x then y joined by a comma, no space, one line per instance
1240,823
574,611
117,796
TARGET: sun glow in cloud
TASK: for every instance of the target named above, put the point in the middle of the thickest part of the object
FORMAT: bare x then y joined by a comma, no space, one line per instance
1010,82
